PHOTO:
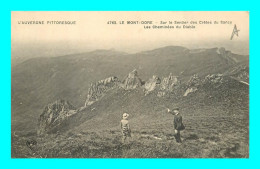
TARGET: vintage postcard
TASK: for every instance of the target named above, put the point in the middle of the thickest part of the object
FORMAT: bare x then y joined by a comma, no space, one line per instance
128,84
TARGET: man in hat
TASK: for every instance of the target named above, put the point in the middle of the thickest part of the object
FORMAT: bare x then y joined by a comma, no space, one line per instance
177,124
125,127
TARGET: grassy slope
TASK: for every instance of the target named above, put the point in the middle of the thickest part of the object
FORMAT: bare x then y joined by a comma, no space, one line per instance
216,122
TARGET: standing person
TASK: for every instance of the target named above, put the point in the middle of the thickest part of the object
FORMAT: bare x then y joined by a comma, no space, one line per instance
125,127
177,124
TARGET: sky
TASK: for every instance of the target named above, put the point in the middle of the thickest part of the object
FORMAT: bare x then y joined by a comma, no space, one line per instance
92,32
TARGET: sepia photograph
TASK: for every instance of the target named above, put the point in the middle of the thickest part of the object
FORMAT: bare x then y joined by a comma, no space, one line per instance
130,84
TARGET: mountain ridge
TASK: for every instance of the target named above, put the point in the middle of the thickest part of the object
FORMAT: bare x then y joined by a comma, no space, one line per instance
37,81
76,102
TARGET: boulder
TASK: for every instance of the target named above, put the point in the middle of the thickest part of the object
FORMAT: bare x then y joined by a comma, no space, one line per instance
53,115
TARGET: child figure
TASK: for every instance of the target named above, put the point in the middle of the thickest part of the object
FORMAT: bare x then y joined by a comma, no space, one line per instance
125,127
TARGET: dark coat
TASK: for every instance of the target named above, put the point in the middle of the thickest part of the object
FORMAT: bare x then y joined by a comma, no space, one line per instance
177,122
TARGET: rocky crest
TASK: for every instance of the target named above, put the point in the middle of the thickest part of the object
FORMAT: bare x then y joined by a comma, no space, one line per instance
162,87
98,89
151,84
132,81
54,114
241,73
211,80
192,84
168,84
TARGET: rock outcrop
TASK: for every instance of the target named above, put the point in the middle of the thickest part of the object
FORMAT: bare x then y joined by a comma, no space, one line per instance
98,89
243,75
168,84
214,78
194,81
240,72
53,115
132,81
190,90
192,84
151,84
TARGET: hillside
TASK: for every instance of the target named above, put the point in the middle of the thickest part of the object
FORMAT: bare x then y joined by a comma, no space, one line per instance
216,122
39,81
99,86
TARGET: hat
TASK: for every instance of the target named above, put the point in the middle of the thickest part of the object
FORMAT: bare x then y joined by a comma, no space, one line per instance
176,108
125,115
